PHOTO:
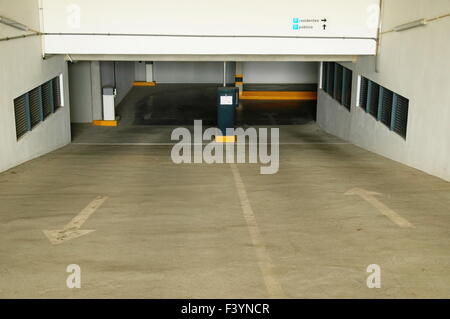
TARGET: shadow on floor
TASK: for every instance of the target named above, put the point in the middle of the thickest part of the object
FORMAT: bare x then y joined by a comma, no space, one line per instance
181,104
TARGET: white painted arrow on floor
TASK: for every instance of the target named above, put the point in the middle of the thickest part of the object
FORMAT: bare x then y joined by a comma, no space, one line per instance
72,230
369,197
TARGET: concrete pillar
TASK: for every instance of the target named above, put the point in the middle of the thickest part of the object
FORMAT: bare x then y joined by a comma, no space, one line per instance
224,74
149,72
140,72
240,76
86,92
96,88
143,71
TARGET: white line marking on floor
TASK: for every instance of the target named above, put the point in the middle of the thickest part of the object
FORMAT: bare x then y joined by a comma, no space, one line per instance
125,144
72,229
369,197
193,144
264,261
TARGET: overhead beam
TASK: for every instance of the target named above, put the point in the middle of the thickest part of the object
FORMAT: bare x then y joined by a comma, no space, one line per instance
213,58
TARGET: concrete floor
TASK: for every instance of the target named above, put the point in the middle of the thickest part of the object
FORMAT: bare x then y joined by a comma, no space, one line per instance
181,231
181,104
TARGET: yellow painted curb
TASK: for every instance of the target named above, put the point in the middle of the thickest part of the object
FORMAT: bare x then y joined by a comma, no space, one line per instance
144,84
225,139
104,123
276,96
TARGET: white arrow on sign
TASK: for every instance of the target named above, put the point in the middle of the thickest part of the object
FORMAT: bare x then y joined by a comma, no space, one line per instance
72,230
369,197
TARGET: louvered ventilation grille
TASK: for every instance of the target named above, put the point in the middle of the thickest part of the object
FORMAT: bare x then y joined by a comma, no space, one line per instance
324,75
47,99
401,116
35,107
56,93
338,85
331,69
374,100
347,91
363,94
386,107
21,116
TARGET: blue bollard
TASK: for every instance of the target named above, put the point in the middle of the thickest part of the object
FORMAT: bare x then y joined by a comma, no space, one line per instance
228,100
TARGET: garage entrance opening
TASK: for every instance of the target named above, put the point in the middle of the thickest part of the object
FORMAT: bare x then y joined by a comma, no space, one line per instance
173,94
181,104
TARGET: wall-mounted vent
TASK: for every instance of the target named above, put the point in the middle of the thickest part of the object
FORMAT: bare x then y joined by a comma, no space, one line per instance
330,81
36,105
347,88
338,78
385,110
47,99
57,93
325,75
364,90
400,115
337,81
373,99
386,106
20,112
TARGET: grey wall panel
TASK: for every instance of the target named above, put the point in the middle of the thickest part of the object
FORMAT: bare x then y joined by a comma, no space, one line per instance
192,72
139,70
80,92
124,79
22,69
413,64
120,75
97,100
107,73
281,72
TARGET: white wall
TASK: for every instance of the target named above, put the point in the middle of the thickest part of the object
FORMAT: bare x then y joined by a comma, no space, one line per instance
192,72
80,92
120,75
280,72
85,92
140,72
190,27
125,77
87,78
414,64
22,69
96,91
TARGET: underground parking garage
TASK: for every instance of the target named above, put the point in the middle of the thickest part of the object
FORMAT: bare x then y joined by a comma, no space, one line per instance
297,151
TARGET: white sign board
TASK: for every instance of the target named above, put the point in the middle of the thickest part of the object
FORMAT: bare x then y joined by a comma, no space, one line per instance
226,100
210,27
